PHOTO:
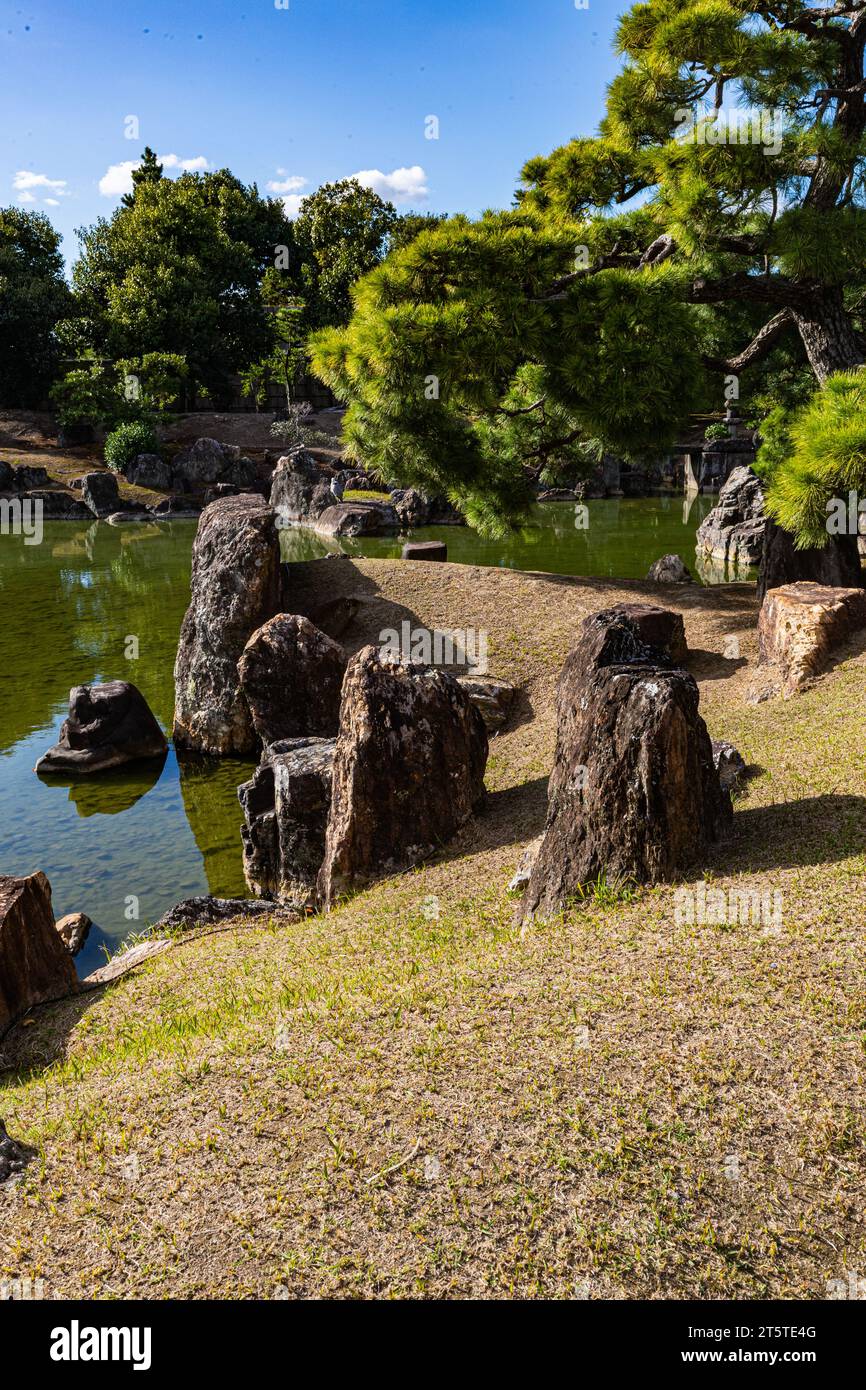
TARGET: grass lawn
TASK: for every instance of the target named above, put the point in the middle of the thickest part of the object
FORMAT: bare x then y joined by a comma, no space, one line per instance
412,1097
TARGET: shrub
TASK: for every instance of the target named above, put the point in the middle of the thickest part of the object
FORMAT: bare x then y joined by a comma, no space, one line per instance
716,433
815,454
89,397
127,442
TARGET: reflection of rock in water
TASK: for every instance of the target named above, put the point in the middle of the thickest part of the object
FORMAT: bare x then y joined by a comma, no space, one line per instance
209,787
108,793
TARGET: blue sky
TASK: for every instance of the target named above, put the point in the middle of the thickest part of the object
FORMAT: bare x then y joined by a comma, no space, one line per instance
294,97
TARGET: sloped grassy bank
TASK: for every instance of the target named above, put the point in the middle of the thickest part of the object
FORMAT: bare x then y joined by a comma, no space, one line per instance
410,1097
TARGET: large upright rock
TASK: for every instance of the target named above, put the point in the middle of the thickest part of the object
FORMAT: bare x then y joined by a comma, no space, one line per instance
235,588
408,770
99,493
633,792
732,534
108,725
300,489
285,809
800,625
35,966
292,675
836,564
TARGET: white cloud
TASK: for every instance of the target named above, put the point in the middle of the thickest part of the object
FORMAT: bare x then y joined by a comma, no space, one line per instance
117,179
290,185
25,181
400,186
292,204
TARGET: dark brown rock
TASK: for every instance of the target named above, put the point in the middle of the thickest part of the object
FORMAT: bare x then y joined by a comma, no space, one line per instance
234,589
208,911
634,793
408,770
35,966
108,725
57,505
291,675
492,698
658,628
286,807
424,550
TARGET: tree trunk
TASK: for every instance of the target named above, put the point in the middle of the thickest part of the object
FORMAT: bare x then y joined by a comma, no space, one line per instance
832,343
838,563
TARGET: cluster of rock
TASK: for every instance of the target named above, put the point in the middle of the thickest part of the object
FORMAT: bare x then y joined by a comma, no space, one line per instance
634,793
205,464
305,492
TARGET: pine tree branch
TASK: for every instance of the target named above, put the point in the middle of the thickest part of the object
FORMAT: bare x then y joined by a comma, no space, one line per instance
762,343
753,289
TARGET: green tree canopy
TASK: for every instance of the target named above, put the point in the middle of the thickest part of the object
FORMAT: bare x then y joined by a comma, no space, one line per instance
179,270
34,296
715,221
341,233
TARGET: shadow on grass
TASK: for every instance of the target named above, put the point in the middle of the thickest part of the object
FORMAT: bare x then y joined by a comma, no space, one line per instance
814,830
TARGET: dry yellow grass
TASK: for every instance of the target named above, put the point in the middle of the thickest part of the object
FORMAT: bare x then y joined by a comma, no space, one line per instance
390,1102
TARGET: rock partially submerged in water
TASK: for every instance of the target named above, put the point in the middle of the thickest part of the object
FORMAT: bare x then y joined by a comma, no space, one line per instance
408,770
300,488
35,966
291,675
73,930
108,725
235,589
357,519
286,807
99,493
733,532
634,794
669,570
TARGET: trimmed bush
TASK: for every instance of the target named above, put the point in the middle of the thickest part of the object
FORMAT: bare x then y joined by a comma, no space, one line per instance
128,441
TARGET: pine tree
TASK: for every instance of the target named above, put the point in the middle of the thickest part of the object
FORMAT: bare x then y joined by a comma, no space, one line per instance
716,219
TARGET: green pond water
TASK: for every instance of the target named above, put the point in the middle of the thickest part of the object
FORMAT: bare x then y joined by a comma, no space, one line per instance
139,840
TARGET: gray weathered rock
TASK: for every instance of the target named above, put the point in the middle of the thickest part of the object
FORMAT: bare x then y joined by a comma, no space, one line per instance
149,470
175,508
209,911
73,930
14,1157
35,966
206,462
291,675
234,589
408,770
523,872
59,506
108,725
669,570
411,506
634,793
728,762
99,493
733,532
286,807
356,519
26,477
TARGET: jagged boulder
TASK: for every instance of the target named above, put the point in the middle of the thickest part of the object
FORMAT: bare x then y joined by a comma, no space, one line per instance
35,966
408,770
108,725
73,930
634,793
205,462
56,505
732,534
291,675
208,911
234,589
492,698
286,807
659,628
300,489
99,493
729,763
411,506
800,626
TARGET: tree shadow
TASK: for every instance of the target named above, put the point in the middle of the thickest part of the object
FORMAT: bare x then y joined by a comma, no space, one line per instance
825,829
